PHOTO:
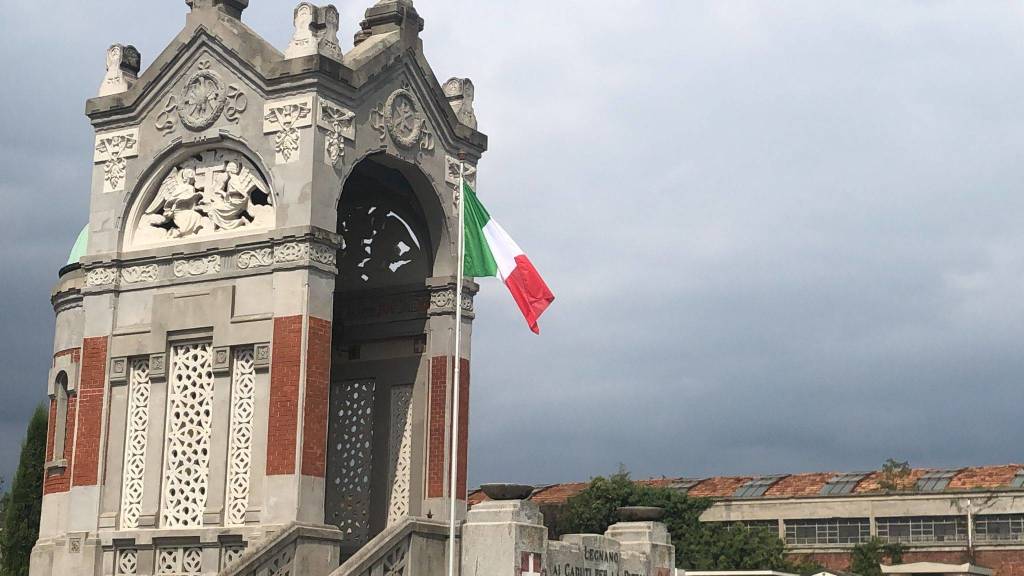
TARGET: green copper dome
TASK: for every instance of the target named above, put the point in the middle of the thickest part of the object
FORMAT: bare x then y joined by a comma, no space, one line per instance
80,245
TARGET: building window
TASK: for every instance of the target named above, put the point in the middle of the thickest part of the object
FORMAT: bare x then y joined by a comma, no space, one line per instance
935,481
842,484
828,531
999,527
923,529
60,415
757,487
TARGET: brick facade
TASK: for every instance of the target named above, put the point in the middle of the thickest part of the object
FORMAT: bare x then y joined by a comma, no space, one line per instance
437,471
285,369
318,384
91,387
1002,562
436,426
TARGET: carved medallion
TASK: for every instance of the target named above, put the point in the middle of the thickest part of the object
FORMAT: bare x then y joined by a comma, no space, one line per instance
202,98
405,123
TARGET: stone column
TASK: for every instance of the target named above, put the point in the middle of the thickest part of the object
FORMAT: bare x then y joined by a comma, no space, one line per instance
648,539
504,538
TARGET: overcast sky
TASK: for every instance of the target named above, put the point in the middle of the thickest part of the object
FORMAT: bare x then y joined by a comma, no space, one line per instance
784,236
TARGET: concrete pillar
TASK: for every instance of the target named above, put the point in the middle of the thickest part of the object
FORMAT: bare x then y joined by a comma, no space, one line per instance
499,534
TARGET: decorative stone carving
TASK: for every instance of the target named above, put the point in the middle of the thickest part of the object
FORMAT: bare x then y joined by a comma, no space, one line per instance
400,453
230,554
284,118
113,150
443,300
460,93
118,369
404,121
127,562
237,103
255,258
101,276
123,64
243,403
134,473
261,355
190,416
291,252
316,32
212,192
452,169
323,255
197,266
339,126
158,365
139,274
179,561
202,99
351,440
167,120
221,359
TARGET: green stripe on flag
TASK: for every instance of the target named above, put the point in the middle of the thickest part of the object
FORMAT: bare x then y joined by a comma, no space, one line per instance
479,262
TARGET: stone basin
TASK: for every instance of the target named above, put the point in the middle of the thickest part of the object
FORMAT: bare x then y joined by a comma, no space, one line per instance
507,491
640,513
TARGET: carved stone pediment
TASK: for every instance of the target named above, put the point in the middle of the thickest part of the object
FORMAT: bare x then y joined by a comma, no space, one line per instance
214,192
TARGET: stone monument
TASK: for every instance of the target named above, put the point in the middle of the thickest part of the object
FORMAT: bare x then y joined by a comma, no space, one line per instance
252,360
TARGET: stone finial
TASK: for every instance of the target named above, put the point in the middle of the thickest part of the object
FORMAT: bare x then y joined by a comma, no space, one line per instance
460,93
316,32
388,16
230,7
123,64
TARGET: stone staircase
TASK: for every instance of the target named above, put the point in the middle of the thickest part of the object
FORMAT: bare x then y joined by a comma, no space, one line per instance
412,547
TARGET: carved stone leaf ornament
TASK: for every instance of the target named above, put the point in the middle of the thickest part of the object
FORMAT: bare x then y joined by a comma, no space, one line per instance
197,266
137,274
112,150
338,122
101,277
284,119
255,258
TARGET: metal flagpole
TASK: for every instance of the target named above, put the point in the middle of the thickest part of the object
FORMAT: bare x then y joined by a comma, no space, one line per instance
454,478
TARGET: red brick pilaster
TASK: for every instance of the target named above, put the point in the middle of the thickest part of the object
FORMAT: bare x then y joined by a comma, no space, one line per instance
463,459
285,368
437,471
315,408
436,426
92,382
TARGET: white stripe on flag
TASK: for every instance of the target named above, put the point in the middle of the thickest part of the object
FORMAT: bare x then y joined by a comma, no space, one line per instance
503,248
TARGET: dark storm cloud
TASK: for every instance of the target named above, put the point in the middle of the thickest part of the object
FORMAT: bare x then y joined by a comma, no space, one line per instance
784,236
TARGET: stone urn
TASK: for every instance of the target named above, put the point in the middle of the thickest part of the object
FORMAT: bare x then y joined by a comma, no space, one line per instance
507,491
640,513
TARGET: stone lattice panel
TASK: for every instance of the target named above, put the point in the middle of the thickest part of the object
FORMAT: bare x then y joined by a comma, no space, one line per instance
127,562
133,480
189,419
351,445
179,562
400,453
243,404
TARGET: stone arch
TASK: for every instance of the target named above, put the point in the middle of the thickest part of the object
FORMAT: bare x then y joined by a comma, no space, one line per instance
197,192
395,231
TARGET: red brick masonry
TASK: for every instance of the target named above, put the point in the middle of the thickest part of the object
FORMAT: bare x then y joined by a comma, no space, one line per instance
436,426
85,469
285,368
318,383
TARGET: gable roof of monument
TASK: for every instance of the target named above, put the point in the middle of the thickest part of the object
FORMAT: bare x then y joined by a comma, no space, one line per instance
814,484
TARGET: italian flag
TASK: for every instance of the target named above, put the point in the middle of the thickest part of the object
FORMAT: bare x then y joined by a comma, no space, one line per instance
490,251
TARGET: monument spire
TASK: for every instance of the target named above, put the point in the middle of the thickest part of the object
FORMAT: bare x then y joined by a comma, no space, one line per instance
232,8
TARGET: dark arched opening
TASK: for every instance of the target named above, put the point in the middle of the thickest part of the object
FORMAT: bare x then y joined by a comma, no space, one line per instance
378,359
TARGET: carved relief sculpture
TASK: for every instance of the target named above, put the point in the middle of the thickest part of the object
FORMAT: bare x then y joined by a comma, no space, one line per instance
453,167
202,98
284,119
211,192
316,32
339,125
113,150
401,117
123,64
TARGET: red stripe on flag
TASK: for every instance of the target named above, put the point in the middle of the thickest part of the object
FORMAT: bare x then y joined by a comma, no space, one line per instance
529,291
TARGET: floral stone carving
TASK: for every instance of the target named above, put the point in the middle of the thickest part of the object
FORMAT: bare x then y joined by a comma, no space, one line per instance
400,116
113,150
283,119
202,98
214,191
